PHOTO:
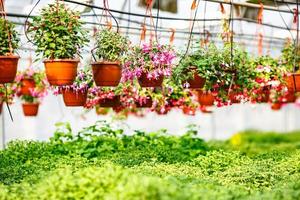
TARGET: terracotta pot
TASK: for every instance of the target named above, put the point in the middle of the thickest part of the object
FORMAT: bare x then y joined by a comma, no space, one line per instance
290,97
276,106
1,105
73,98
293,82
108,103
27,85
8,68
145,82
107,73
146,104
197,82
205,98
30,109
188,111
101,111
61,72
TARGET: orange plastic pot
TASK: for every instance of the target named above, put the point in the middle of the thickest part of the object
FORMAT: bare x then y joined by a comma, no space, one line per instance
188,111
107,73
110,103
147,104
8,68
197,82
30,109
290,97
27,85
61,72
145,82
293,82
101,111
276,106
205,98
73,98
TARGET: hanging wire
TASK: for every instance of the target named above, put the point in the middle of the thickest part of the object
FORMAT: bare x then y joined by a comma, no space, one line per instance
129,17
26,21
157,18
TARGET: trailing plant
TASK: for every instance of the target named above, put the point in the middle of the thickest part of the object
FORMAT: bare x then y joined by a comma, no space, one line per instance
9,37
58,33
111,45
152,59
290,57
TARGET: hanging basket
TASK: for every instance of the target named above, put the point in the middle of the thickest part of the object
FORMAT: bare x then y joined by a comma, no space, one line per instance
293,82
144,81
61,72
188,111
276,106
27,85
30,109
197,82
73,98
107,73
8,68
110,103
205,98
145,104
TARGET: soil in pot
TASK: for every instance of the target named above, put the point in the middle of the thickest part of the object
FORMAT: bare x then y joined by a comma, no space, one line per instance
61,71
110,103
197,82
30,109
293,82
205,98
276,106
145,104
144,81
73,98
107,73
8,68
27,85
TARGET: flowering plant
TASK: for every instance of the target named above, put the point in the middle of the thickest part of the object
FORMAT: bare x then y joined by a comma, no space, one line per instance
82,83
7,93
152,59
38,91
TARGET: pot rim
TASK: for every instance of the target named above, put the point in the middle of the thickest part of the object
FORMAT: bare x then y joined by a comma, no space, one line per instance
10,56
31,104
106,62
61,60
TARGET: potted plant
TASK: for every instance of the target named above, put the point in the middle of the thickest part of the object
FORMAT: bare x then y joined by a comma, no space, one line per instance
290,59
111,46
32,97
76,94
9,42
59,36
149,63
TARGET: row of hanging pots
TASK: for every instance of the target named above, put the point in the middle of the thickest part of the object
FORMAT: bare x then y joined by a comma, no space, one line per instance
30,109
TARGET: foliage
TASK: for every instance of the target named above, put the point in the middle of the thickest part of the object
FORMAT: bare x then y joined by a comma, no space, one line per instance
110,45
7,93
290,57
58,33
100,162
8,36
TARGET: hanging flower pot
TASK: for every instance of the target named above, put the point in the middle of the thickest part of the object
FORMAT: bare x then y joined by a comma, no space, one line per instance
276,106
107,73
30,109
74,98
144,81
27,84
188,111
197,82
61,71
205,98
233,98
8,68
290,97
293,82
108,103
101,111
147,103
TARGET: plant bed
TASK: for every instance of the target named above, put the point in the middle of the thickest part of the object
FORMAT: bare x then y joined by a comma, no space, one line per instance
74,98
30,109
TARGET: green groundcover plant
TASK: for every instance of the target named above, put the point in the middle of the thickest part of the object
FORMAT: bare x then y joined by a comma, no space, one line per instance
100,162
